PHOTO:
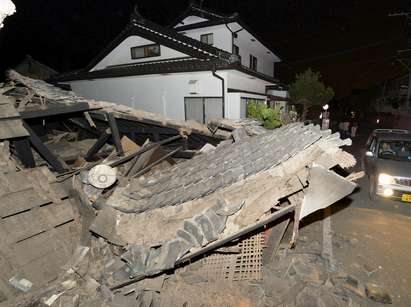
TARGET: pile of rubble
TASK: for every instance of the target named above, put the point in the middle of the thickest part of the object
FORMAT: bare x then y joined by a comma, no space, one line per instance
168,213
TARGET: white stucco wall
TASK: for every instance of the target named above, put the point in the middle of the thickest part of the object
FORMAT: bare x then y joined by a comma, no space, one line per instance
241,81
162,94
223,40
165,94
233,105
246,45
122,54
221,36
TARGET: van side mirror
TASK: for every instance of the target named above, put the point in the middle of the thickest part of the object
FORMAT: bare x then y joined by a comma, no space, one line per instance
369,153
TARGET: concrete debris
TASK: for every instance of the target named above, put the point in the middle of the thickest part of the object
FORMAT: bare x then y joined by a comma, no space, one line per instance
377,293
21,284
206,148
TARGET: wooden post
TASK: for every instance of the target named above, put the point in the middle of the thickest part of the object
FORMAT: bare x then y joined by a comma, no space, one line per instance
97,145
44,151
24,152
115,134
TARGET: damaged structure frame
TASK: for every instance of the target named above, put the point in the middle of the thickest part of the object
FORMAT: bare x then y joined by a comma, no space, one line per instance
196,199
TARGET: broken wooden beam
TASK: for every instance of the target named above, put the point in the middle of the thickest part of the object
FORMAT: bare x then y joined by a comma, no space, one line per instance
44,152
115,133
163,158
97,145
24,153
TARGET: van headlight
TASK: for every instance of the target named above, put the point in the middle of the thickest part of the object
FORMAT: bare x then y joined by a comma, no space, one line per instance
385,179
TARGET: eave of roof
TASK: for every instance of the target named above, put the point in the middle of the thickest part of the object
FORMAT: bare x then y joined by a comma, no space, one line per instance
160,67
228,20
165,36
194,10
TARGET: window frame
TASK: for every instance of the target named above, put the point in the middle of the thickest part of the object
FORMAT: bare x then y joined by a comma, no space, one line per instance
207,35
253,63
236,50
143,47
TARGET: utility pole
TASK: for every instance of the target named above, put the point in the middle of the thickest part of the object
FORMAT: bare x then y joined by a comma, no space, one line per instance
404,56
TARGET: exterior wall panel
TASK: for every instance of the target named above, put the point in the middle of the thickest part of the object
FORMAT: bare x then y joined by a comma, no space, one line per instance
163,94
122,54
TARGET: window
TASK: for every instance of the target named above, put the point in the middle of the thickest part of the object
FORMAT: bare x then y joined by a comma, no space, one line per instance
146,51
207,38
236,50
202,109
253,62
395,150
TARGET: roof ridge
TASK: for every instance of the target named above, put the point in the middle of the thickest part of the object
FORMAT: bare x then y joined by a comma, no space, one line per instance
182,39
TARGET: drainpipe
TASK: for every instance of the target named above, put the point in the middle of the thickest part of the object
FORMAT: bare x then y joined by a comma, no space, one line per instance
222,89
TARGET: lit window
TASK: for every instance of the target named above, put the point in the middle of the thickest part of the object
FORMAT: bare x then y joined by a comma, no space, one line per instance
146,51
253,62
207,38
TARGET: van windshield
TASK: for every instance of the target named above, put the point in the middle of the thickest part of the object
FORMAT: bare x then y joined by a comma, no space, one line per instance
395,150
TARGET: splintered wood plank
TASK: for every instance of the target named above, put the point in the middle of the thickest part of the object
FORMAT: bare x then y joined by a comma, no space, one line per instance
22,226
39,246
16,181
33,222
60,213
8,111
12,128
60,189
44,269
16,202
274,239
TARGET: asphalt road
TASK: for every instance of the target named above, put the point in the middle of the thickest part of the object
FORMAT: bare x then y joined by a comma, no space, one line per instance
379,238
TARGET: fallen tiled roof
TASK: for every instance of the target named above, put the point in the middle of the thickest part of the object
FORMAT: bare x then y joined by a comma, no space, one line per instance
37,230
52,93
206,173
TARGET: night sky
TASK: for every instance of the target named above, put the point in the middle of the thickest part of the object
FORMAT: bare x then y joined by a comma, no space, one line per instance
352,43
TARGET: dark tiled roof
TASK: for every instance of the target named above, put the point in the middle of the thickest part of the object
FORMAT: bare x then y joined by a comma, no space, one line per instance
166,37
154,67
160,67
201,57
195,9
213,20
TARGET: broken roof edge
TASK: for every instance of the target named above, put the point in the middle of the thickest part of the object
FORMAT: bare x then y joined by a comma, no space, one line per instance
128,113
49,91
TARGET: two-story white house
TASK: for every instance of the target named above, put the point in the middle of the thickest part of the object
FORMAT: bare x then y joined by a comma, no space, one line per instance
205,65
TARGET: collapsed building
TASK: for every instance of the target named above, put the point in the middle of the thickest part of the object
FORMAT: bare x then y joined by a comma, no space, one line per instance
101,203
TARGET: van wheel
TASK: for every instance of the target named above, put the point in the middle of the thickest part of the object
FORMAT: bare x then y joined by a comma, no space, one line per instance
372,190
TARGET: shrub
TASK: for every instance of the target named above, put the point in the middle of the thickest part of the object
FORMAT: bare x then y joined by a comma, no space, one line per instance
269,117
